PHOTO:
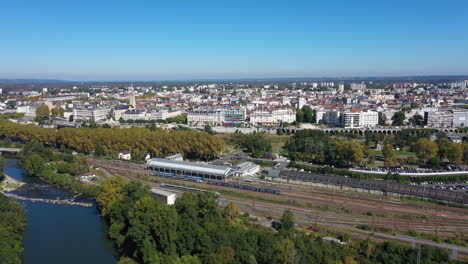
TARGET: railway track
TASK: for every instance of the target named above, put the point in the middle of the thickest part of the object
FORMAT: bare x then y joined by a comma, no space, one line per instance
422,218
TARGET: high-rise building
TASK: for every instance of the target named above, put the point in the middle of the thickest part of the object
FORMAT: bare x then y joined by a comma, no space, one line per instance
357,118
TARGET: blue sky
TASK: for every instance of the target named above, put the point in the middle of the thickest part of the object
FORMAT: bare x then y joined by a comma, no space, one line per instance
162,40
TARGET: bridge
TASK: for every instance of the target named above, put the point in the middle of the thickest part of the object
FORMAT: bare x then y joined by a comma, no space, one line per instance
378,130
10,150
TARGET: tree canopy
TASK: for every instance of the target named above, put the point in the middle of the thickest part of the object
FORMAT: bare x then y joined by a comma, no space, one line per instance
191,144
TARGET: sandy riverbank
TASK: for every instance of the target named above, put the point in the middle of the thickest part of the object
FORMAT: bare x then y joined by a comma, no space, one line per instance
9,184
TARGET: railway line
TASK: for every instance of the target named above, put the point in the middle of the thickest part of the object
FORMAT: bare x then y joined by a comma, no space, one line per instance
330,207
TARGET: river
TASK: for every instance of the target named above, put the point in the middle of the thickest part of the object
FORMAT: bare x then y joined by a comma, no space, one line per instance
58,234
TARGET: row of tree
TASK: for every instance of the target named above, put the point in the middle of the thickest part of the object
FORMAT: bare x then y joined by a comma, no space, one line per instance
432,153
197,230
111,141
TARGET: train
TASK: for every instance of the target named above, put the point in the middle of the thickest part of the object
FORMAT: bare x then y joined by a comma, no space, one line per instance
185,188
244,187
177,177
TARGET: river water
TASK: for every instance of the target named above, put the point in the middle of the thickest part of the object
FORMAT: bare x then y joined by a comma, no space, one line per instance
59,234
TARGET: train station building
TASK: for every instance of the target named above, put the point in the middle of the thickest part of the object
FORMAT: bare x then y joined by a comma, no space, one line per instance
187,168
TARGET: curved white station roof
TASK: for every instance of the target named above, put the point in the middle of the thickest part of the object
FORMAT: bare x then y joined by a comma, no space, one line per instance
190,166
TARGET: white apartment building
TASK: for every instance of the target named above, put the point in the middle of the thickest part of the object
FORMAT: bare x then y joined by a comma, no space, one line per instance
216,116
359,119
369,119
272,116
440,119
134,114
358,86
460,119
28,110
162,114
341,88
90,113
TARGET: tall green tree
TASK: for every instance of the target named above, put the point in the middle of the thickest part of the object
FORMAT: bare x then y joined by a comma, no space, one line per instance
350,152
34,164
299,116
389,155
425,149
111,192
398,119
308,114
230,212
287,221
42,112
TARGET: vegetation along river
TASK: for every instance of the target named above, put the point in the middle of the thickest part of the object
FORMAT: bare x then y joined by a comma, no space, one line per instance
59,233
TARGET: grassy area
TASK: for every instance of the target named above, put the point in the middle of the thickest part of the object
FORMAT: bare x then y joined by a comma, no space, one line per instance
277,142
433,202
264,163
397,152
458,239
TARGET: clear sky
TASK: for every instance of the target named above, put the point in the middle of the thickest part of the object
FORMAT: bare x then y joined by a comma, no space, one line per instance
171,39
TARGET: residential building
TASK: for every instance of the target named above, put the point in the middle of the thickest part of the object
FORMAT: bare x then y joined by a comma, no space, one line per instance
90,113
217,116
272,116
442,119
162,114
134,114
356,118
460,118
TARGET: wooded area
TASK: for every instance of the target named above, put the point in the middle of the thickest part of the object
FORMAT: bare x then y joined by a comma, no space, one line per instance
197,230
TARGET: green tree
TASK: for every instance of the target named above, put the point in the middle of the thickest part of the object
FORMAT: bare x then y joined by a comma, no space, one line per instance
12,227
127,260
398,119
350,152
57,111
425,149
299,116
79,166
389,155
230,212
444,145
417,120
287,221
42,112
34,164
382,119
414,105
99,150
455,153
308,114
285,252
111,192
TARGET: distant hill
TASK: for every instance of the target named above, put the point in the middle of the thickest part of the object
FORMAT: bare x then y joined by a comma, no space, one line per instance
30,81
282,79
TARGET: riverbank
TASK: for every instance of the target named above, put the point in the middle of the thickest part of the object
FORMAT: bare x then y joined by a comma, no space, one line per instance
57,232
10,184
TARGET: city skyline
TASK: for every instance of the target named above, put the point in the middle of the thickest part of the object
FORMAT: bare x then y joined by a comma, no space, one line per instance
185,41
